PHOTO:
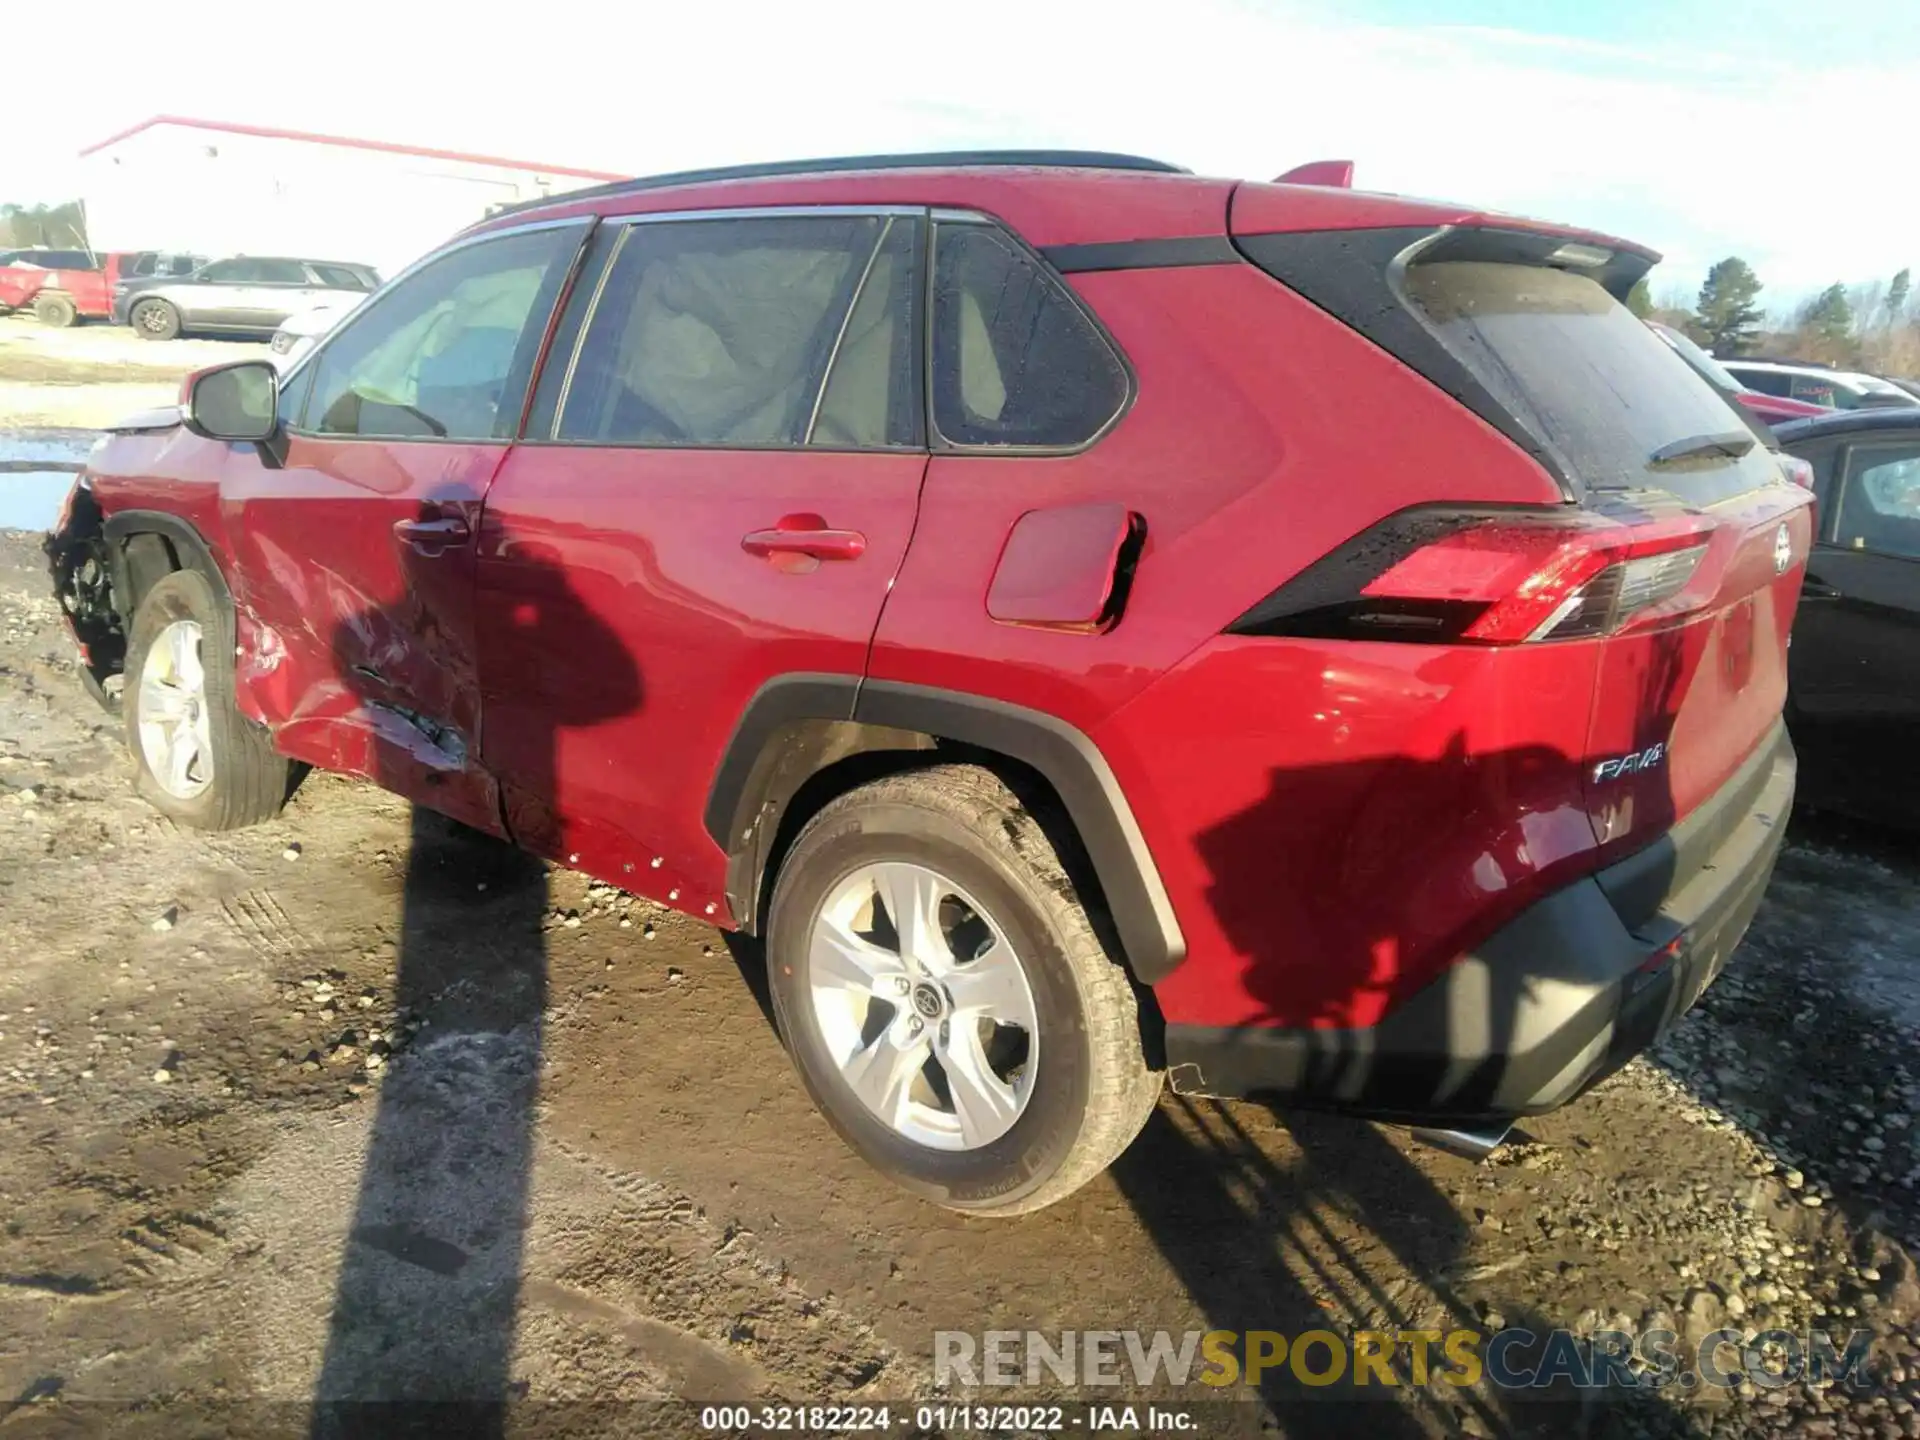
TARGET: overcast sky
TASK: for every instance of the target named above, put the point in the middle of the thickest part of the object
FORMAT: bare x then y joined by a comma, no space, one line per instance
1701,127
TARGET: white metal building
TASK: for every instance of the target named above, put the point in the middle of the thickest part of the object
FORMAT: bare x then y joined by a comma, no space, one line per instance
216,189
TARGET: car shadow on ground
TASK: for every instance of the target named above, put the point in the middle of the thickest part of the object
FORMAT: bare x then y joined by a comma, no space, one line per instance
1348,1236
426,1305
1329,873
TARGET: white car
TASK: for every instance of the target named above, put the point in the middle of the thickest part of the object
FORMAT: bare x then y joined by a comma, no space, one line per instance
1835,389
301,331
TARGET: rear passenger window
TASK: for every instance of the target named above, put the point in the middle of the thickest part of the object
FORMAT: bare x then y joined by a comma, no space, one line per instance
871,398
1767,382
280,272
338,277
722,332
1016,361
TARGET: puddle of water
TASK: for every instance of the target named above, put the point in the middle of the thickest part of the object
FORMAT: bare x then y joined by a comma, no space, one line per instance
55,447
30,496
32,500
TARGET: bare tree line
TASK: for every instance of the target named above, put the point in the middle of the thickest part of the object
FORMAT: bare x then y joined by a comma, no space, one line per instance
1873,325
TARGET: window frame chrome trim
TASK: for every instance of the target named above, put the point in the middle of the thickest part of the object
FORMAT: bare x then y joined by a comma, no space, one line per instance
762,212
579,340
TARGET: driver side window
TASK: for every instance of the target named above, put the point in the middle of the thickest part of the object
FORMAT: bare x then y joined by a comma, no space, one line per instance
446,354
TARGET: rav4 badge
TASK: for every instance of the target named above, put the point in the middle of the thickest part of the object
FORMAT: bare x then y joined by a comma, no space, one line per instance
1631,764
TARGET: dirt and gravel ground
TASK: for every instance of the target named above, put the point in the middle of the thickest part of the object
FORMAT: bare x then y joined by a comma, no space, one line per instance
358,1105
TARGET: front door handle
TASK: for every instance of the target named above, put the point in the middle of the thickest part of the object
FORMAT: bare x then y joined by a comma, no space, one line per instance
433,537
805,534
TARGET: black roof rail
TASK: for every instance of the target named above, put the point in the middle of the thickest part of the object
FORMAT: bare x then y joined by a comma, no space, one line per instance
836,164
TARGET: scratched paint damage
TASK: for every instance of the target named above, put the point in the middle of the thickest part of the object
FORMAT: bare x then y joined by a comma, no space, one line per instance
265,685
360,654
432,744
266,690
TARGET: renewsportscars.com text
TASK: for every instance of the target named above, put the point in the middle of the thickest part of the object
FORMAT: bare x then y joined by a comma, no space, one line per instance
1511,1358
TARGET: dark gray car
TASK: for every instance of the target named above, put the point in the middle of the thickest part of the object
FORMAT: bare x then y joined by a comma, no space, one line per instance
1854,669
247,295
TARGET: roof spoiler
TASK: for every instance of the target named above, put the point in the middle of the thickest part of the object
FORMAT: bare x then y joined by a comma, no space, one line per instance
1337,174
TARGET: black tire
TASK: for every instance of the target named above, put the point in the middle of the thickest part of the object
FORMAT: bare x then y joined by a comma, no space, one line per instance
249,779
1093,1088
154,320
55,310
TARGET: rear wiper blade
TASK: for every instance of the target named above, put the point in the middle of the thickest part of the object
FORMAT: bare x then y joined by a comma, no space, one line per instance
1731,444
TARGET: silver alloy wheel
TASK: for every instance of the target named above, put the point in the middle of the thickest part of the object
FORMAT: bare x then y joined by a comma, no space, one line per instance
172,713
153,318
923,1005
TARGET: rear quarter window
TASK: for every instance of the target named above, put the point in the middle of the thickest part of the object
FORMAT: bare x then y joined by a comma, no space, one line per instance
338,277
1017,364
1585,376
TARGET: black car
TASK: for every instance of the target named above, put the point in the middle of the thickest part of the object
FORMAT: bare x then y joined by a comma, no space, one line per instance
1854,664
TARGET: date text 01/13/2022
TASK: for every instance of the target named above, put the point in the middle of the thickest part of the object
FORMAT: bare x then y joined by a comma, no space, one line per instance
943,1419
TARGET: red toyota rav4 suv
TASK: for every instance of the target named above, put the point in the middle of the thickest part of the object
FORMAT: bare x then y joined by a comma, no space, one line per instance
1095,622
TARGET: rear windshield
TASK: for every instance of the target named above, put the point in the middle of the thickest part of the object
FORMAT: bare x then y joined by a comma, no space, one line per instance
1591,382
1877,390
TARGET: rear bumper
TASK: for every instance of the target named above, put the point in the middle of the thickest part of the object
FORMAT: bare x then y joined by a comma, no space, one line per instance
1559,998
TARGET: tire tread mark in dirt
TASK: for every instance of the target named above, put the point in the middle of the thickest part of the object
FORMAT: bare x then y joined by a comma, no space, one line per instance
264,925
176,1238
658,1223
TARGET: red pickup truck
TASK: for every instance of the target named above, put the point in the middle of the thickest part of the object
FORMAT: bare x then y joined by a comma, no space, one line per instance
59,297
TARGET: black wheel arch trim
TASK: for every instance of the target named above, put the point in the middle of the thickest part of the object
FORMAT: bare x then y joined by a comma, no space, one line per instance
189,546
796,725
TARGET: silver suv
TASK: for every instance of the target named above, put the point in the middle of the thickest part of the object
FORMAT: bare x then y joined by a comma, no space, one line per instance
247,295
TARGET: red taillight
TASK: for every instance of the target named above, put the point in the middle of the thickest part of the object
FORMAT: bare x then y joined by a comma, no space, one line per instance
1797,470
1492,578
1551,581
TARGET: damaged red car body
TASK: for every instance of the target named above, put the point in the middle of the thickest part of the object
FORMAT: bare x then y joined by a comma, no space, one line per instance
1094,622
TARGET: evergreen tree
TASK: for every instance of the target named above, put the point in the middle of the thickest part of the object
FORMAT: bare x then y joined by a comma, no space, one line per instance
1726,313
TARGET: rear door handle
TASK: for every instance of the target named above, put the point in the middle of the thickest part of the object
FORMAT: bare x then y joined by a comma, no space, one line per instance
432,537
1812,589
805,534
